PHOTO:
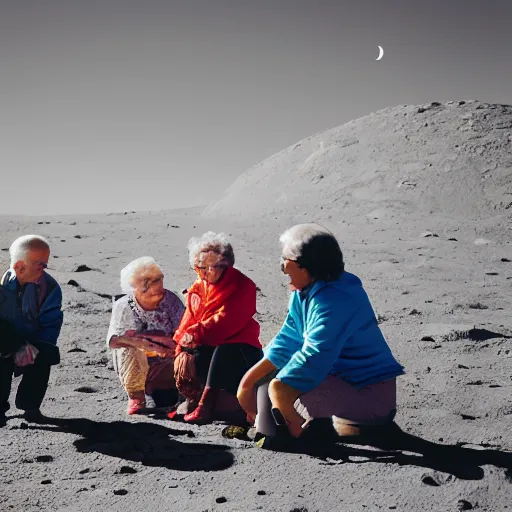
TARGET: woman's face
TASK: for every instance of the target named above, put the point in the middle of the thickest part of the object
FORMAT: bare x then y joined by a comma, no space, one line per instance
148,286
210,266
299,277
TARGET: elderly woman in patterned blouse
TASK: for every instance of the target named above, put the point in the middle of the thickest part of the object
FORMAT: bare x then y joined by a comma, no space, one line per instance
141,330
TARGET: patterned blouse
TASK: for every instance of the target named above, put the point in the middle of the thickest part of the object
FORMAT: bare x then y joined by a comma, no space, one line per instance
128,315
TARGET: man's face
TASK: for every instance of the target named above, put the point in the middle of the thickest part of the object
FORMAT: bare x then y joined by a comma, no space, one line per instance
32,267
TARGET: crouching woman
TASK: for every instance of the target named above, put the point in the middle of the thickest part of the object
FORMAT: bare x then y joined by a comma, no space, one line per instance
330,358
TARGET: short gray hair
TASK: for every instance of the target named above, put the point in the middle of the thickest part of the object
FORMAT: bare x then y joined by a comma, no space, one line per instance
295,238
22,245
210,241
129,272
314,249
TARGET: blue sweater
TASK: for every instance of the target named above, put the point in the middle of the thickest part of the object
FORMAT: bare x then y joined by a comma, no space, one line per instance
331,329
47,324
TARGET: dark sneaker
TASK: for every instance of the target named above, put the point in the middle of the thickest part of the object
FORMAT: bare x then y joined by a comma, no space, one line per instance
34,416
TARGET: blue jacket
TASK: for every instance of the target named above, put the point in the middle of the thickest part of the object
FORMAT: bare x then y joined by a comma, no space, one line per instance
47,323
331,329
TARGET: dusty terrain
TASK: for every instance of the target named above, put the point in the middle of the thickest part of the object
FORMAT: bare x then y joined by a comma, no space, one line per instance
420,198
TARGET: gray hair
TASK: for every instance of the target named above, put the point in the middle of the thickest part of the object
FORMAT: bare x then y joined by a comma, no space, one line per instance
210,241
22,245
131,270
315,249
295,238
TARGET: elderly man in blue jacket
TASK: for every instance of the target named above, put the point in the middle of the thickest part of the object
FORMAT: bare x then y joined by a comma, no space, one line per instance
31,313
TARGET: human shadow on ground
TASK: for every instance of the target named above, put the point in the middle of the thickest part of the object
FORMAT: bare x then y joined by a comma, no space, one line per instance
145,442
398,447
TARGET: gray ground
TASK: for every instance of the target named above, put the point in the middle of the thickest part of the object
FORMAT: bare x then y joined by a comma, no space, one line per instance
421,205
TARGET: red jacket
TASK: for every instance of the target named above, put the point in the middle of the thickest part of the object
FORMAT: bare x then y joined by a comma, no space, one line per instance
222,312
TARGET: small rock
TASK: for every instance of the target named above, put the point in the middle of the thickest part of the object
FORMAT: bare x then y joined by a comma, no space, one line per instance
83,268
414,312
463,367
23,426
426,234
427,338
505,260
436,478
120,492
44,482
452,240
78,236
221,499
261,493
44,458
468,417
127,470
464,505
84,471
86,389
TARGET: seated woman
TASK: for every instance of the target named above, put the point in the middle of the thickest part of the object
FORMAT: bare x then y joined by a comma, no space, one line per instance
330,357
218,333
141,330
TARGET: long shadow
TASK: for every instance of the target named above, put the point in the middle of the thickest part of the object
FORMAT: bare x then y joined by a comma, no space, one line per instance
461,462
144,442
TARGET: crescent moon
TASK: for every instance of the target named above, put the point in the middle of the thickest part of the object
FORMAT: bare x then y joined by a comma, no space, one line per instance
381,53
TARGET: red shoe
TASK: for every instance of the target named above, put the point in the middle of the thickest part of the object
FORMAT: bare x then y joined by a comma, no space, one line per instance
199,415
171,415
135,405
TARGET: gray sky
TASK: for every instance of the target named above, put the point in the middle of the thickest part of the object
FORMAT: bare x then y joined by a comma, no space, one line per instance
111,105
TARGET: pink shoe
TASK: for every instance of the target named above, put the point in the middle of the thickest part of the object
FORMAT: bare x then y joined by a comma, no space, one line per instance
135,405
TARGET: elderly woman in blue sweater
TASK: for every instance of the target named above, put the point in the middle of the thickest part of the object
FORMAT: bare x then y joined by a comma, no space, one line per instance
330,358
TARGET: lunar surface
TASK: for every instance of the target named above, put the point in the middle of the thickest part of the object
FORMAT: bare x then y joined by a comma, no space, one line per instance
420,198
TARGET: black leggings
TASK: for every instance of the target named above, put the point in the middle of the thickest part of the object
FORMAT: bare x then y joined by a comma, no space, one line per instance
224,366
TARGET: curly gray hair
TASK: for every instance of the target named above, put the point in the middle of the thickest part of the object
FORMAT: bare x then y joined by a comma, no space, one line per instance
129,273
210,241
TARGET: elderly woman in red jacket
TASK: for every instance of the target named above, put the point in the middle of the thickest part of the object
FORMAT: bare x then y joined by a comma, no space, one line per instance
218,335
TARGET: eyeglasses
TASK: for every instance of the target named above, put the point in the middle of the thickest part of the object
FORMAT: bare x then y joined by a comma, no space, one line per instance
37,263
208,268
147,282
284,260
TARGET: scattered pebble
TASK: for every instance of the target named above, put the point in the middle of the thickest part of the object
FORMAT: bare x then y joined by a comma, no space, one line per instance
44,458
127,470
261,493
45,482
120,492
84,471
86,389
437,478
221,499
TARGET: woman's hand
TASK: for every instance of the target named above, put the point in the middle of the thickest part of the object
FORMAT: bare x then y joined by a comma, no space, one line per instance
188,340
247,399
